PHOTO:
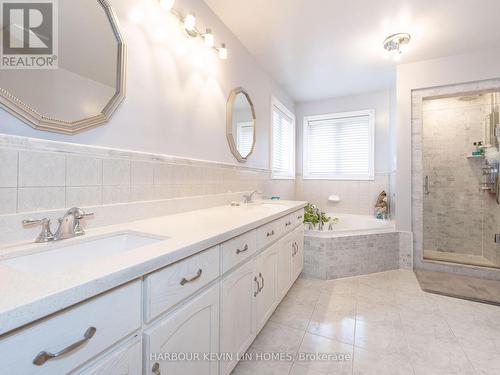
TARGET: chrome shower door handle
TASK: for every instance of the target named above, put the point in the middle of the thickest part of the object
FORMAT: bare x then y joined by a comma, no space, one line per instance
44,356
426,185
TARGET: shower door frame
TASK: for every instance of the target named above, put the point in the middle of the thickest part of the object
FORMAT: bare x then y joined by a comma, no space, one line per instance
417,173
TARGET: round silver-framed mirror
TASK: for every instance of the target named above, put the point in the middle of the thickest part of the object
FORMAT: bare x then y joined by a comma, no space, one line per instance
76,79
240,124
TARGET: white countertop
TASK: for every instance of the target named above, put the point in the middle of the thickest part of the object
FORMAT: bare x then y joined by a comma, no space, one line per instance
26,297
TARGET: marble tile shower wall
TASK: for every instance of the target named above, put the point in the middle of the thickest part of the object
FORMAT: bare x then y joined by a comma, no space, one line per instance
453,209
357,197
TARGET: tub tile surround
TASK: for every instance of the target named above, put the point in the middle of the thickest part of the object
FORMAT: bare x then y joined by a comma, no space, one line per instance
43,178
338,257
357,197
418,179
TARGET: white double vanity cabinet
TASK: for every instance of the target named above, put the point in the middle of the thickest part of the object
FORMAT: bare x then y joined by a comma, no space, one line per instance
189,317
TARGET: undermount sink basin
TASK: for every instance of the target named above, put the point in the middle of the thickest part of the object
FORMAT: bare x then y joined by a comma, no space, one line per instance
82,253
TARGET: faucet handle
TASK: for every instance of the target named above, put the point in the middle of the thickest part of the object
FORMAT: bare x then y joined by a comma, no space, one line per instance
84,215
45,235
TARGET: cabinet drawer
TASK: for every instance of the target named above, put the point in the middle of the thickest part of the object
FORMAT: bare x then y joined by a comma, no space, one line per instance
95,324
166,287
287,223
297,217
126,360
270,232
239,248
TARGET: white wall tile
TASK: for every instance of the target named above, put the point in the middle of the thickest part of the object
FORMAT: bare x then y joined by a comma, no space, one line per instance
81,196
39,169
142,193
41,198
8,201
8,168
115,194
116,172
142,173
83,171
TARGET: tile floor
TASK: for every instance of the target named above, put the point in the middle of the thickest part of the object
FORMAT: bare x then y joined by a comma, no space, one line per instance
385,323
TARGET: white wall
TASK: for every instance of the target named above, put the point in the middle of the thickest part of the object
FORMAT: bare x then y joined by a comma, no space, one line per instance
425,74
177,90
357,196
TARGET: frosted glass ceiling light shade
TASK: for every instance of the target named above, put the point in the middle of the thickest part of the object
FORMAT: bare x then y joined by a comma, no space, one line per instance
167,4
190,23
223,52
209,38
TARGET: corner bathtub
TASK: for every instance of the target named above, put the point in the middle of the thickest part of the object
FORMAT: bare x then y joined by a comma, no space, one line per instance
357,245
353,225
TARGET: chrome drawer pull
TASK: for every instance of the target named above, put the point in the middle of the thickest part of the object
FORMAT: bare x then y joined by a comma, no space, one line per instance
258,286
156,369
198,275
288,223
293,250
300,217
269,234
262,278
238,251
44,356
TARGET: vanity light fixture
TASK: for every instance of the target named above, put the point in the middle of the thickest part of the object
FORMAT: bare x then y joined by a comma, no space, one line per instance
209,38
222,50
396,44
189,24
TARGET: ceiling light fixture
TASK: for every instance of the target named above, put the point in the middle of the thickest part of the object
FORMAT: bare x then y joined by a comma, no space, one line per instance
189,25
396,44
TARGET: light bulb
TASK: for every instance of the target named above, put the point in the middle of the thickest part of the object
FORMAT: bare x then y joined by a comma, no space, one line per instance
167,4
190,22
223,52
209,38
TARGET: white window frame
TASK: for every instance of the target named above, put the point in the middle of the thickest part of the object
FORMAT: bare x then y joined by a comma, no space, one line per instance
275,103
371,142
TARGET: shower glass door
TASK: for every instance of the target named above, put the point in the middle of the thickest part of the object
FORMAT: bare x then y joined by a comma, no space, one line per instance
460,211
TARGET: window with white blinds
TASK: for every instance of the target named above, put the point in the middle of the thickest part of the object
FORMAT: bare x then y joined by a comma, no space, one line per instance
339,146
282,142
244,138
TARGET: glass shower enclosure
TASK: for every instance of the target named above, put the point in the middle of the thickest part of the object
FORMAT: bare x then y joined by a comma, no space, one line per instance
461,211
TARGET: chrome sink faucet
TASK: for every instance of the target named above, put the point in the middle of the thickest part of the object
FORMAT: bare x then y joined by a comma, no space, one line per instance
248,198
69,226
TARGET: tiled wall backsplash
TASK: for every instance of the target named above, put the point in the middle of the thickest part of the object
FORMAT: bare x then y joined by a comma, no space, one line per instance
357,197
41,176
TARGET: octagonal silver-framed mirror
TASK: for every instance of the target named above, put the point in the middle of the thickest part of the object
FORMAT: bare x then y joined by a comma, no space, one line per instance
85,81
240,124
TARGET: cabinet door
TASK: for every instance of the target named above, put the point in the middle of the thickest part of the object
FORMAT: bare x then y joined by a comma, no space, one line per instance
237,323
266,272
298,253
127,360
285,250
188,333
